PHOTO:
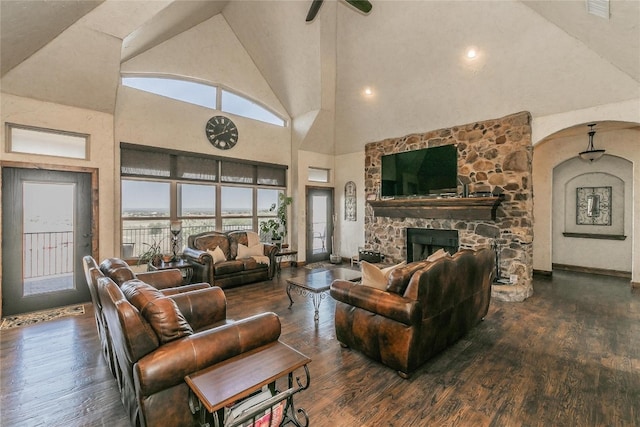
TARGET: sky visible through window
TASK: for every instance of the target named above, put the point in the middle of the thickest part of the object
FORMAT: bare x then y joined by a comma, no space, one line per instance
203,95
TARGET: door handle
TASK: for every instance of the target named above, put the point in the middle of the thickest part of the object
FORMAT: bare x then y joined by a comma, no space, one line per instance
87,235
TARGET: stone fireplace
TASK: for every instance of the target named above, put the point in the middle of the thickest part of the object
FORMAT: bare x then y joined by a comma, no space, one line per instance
494,157
422,242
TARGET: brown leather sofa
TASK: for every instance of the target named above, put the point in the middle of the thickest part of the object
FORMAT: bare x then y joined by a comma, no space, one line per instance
157,337
426,307
231,271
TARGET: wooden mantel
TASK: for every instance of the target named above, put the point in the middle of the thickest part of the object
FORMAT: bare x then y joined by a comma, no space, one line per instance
470,208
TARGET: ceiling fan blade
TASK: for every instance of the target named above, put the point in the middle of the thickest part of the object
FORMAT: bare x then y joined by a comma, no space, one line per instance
361,5
313,10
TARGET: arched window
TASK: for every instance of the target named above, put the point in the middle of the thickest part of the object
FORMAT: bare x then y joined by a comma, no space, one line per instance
204,95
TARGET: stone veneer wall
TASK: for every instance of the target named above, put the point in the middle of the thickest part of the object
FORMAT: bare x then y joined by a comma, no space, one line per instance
493,155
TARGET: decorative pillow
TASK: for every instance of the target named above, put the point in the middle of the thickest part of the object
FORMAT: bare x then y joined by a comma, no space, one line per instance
161,312
217,254
387,270
440,253
372,276
246,252
375,277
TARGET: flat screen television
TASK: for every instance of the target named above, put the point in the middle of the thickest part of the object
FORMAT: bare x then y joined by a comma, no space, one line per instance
425,172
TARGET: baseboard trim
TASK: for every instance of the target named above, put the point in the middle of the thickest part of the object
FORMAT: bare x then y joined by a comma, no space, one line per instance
592,270
543,273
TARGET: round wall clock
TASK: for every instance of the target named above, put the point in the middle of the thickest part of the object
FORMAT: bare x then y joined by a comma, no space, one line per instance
221,132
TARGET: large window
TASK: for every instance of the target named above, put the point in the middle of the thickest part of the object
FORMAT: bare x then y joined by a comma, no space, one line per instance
203,192
205,95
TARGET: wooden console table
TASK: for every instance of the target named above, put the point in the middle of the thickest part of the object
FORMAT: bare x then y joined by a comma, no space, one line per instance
214,390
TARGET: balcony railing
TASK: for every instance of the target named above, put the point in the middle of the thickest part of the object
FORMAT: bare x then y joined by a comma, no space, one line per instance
47,254
135,240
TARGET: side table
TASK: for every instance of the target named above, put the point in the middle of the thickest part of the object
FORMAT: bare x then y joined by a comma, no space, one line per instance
215,391
291,254
185,267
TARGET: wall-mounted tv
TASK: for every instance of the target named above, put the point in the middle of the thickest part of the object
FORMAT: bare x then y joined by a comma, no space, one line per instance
429,171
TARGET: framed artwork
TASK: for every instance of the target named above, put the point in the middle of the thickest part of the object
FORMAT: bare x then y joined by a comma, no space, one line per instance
350,206
593,205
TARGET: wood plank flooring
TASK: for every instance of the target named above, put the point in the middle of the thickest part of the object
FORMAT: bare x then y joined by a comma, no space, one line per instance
568,356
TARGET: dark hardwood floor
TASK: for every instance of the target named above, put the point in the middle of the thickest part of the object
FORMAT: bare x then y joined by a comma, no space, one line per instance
568,356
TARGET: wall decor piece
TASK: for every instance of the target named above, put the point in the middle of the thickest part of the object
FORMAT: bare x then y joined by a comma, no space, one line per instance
350,206
593,205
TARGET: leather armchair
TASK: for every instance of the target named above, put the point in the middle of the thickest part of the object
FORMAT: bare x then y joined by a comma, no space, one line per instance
426,307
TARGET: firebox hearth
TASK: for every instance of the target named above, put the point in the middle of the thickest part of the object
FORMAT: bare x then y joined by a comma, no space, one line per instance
422,242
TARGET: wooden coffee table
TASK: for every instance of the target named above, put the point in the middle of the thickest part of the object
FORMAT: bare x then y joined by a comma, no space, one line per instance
317,284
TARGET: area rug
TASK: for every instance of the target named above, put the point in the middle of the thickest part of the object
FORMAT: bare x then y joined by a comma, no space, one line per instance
320,264
40,316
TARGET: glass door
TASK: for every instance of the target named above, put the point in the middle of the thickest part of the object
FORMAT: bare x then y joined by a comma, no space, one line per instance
46,228
319,224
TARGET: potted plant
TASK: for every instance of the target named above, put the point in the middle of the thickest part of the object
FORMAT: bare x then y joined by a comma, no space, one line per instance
153,254
277,227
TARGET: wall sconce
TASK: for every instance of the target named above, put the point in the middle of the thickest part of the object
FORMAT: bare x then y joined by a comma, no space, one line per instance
591,153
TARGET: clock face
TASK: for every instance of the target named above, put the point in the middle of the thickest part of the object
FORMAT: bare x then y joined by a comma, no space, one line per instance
221,132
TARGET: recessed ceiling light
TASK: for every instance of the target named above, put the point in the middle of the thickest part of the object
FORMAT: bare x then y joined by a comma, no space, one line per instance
472,53
368,91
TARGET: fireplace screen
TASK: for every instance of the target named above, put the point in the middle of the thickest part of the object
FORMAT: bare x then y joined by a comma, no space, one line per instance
422,242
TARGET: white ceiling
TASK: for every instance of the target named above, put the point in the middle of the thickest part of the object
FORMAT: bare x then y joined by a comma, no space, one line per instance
540,56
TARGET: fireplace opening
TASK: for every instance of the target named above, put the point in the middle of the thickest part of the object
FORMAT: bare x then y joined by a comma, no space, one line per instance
422,242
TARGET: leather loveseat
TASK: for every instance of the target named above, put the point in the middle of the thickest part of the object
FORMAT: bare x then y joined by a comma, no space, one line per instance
230,269
157,337
426,307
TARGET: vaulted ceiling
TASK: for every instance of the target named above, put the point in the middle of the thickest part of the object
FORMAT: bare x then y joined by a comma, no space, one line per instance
545,57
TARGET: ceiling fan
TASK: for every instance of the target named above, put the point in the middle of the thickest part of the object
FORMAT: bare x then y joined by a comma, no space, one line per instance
361,5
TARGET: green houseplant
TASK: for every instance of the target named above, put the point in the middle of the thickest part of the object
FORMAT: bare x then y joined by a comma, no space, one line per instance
277,227
153,254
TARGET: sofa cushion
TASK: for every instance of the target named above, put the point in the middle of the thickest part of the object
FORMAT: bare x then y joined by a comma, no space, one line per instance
211,240
217,254
161,312
228,267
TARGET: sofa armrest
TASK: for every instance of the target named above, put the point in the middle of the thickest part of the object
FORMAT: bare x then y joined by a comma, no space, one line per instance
202,263
170,363
202,307
387,304
271,250
162,279
185,288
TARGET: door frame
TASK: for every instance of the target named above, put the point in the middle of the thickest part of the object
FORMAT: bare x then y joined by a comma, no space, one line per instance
330,222
58,168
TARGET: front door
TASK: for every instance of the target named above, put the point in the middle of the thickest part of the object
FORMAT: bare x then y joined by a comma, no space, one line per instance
46,230
319,223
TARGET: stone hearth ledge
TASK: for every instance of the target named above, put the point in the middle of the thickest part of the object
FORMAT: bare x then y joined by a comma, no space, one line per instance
511,293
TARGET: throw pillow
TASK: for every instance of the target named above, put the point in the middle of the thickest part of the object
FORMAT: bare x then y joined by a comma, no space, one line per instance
376,277
246,252
372,276
387,270
161,312
440,253
217,254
